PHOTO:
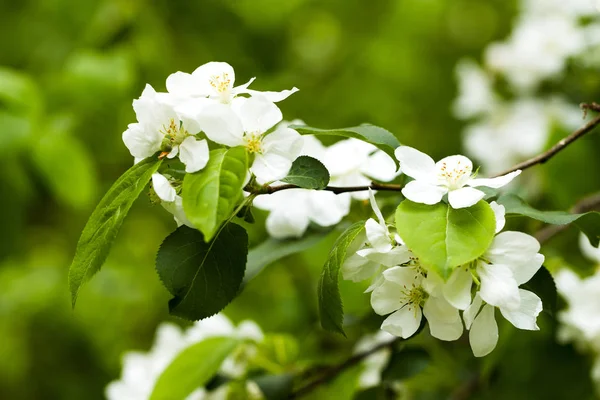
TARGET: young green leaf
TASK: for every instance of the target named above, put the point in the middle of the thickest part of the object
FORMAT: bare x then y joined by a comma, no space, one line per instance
210,195
381,138
444,237
330,302
106,220
588,223
308,173
202,277
193,368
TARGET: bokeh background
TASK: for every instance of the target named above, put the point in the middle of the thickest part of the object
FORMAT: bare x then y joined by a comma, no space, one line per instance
69,71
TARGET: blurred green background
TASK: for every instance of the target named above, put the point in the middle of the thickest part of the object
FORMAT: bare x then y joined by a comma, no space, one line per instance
69,72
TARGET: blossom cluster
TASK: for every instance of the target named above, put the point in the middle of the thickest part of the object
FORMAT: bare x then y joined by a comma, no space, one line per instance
547,35
406,290
579,322
203,109
142,370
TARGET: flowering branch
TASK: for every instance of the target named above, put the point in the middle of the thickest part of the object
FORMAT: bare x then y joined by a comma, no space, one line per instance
335,189
562,144
330,373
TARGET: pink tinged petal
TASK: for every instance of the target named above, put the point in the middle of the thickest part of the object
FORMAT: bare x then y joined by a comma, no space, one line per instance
221,125
286,223
273,96
425,193
415,164
444,320
142,142
163,188
495,182
498,287
499,213
525,316
270,167
194,154
483,336
380,166
357,268
258,115
378,236
386,298
464,197
471,312
457,290
404,322
397,256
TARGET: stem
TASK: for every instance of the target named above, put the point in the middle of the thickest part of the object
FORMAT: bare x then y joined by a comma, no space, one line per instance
330,373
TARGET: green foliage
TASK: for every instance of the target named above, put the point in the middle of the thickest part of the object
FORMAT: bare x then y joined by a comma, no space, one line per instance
272,250
330,302
202,277
193,368
588,223
382,138
443,237
210,195
103,225
275,387
406,363
308,173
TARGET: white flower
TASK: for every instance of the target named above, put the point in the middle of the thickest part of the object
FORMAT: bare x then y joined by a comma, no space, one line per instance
475,94
352,162
141,370
247,126
292,210
402,294
215,80
451,175
160,128
374,364
170,200
482,326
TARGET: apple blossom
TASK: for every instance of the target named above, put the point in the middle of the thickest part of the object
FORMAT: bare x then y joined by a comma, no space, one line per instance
160,128
451,175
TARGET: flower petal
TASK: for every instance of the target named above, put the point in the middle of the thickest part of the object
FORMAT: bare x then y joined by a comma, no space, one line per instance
415,164
464,197
386,297
444,320
140,141
285,223
380,166
422,192
258,115
403,276
221,125
499,213
483,336
182,84
326,208
163,188
498,287
270,167
518,251
397,256
495,182
471,312
457,290
194,154
283,141
273,97
357,268
204,73
524,317
376,209
589,251
404,322
378,236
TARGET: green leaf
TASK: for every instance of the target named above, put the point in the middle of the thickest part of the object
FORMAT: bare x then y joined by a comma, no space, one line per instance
381,138
272,250
443,237
193,368
275,387
202,277
210,195
588,223
406,363
543,285
106,220
308,173
330,302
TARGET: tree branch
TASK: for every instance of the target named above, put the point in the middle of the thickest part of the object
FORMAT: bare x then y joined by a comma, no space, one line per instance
330,373
562,144
337,189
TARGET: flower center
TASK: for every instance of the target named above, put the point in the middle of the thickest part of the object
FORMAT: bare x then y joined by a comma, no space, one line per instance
222,85
454,171
174,133
414,296
253,142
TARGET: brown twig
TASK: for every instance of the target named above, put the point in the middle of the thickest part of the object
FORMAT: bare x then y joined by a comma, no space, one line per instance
562,144
337,189
590,203
335,370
